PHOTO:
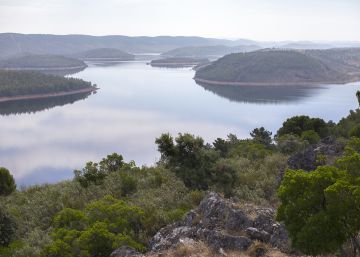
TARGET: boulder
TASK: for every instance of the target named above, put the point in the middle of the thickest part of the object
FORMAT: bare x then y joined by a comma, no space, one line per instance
256,234
126,251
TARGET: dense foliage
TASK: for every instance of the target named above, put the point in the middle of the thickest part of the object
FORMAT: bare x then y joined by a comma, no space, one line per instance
321,208
14,83
7,228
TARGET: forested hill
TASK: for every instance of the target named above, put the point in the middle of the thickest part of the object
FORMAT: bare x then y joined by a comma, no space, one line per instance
104,53
267,67
41,62
19,83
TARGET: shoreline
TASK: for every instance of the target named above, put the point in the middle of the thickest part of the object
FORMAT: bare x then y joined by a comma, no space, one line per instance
262,84
47,95
45,68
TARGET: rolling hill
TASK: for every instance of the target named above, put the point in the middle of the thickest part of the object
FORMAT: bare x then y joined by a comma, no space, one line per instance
283,67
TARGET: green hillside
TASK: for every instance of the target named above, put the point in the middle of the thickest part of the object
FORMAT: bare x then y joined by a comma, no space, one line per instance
16,83
279,66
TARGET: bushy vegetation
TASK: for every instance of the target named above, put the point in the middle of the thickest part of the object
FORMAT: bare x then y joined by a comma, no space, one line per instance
111,203
321,208
15,83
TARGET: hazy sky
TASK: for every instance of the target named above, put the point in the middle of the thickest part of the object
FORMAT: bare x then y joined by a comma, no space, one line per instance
254,19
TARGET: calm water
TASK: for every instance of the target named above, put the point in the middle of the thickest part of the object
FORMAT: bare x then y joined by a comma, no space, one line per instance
43,141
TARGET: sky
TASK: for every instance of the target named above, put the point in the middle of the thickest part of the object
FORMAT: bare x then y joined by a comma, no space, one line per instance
265,20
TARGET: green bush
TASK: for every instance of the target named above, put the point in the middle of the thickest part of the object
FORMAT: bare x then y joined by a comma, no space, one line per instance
320,209
355,131
311,136
7,228
289,144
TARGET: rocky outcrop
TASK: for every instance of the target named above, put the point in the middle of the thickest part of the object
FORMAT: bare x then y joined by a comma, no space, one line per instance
312,157
222,226
125,251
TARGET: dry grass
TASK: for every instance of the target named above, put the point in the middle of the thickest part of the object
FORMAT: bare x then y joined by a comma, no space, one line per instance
199,249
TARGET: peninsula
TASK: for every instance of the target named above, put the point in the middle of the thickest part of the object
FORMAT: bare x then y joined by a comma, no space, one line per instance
23,85
283,67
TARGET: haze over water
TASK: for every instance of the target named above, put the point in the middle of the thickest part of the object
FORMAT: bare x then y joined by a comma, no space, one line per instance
135,104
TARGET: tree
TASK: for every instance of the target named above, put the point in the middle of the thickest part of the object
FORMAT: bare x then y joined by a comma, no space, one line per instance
320,209
358,96
298,124
90,174
112,163
7,182
262,136
7,228
188,158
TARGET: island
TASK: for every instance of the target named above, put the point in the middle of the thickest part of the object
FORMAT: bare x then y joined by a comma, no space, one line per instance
24,85
215,51
42,63
105,54
283,67
178,62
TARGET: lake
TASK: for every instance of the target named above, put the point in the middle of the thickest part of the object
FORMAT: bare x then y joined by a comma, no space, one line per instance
45,140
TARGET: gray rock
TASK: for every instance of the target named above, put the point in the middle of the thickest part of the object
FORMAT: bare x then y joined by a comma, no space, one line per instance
217,223
126,251
256,234
218,240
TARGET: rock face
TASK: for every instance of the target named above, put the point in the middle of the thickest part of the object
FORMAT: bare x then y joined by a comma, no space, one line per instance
222,226
308,159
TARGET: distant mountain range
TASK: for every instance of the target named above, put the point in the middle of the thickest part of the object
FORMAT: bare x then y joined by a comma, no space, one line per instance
15,44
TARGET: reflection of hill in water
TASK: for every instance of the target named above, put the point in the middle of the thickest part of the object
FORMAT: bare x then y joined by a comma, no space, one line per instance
63,72
37,105
262,94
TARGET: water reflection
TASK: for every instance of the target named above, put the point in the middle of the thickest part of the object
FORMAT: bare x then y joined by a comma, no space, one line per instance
37,105
135,105
263,94
62,73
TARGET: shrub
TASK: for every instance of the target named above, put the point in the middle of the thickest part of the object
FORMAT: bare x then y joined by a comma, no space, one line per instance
320,209
311,136
355,131
7,228
289,144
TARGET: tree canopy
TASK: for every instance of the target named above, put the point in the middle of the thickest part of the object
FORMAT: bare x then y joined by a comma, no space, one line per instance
7,182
